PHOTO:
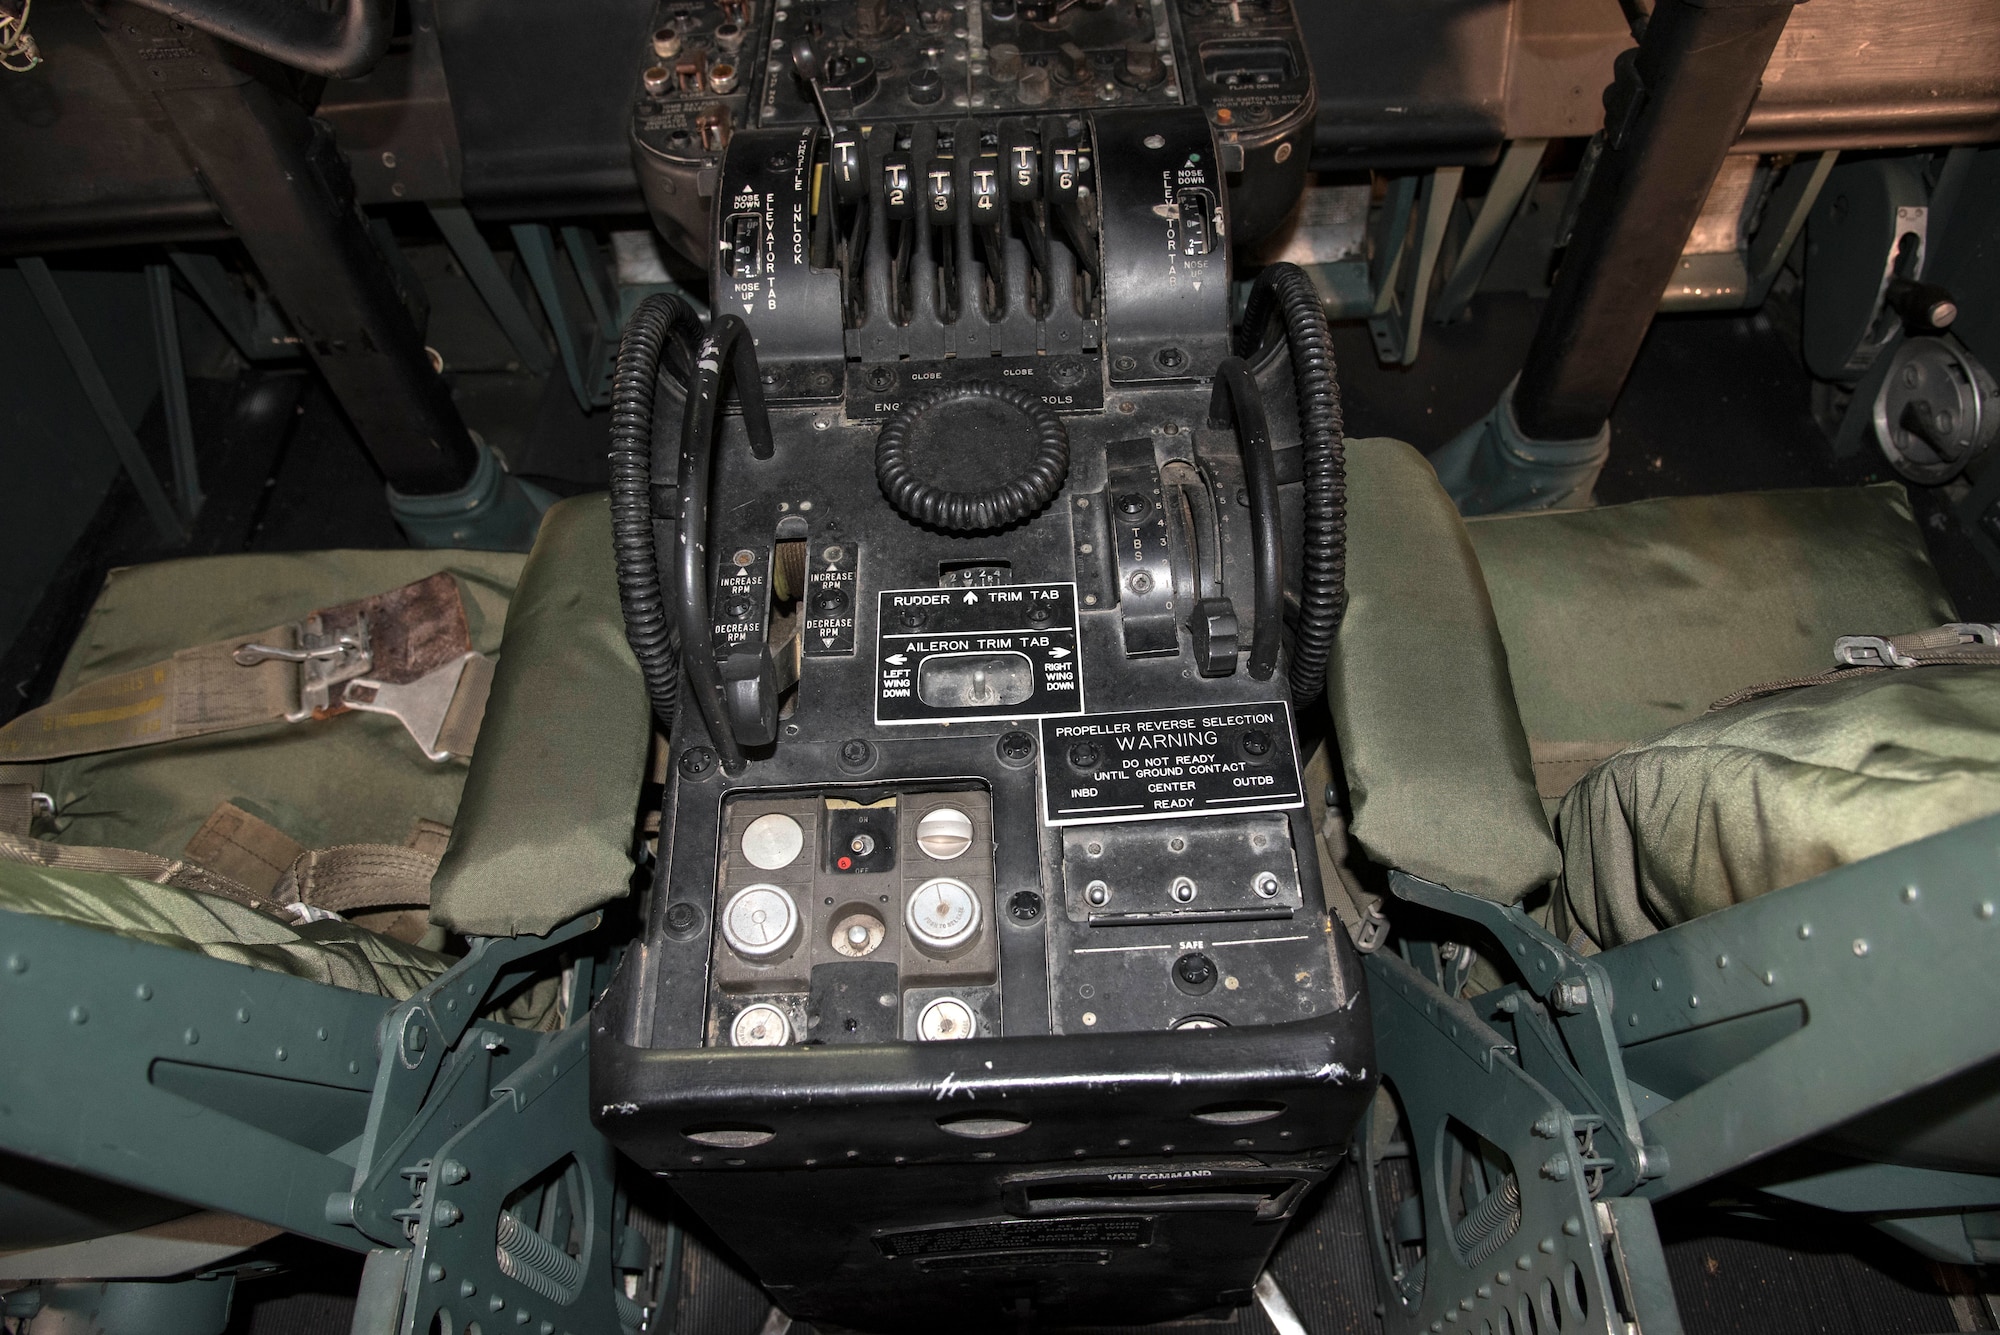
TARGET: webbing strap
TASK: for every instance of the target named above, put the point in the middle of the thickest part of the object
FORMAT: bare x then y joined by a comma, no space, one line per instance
196,692
348,877
407,652
1954,643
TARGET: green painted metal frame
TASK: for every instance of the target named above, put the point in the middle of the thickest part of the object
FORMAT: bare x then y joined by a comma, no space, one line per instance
1718,1043
362,1122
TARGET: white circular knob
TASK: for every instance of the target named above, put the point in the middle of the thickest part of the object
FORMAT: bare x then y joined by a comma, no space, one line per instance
943,914
772,841
946,1019
760,921
760,1026
944,833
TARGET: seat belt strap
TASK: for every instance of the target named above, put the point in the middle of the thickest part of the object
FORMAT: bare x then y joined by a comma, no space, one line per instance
407,652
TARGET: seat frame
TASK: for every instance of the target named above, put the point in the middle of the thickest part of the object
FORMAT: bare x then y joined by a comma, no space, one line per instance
404,1130
1616,1080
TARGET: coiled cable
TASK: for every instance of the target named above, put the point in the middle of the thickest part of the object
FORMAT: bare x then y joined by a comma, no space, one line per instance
1283,291
661,321
972,511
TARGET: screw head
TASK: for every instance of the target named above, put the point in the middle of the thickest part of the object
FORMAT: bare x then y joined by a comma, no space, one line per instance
697,762
881,377
1170,359
1256,742
1085,755
1124,363
1131,504
1016,747
1182,890
856,754
683,919
1024,906
1266,885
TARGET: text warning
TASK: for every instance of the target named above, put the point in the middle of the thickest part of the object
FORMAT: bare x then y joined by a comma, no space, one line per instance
1151,763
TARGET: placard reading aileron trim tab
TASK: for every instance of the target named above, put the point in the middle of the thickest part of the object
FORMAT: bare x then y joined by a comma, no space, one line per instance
1147,764
1005,651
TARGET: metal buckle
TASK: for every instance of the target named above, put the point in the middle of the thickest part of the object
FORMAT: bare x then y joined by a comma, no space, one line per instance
1883,651
422,705
1867,651
326,659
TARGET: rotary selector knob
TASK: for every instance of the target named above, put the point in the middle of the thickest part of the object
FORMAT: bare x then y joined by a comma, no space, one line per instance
760,921
942,915
944,833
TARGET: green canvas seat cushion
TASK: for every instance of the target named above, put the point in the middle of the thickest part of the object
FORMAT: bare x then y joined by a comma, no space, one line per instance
1623,621
353,778
548,821
1775,791
1436,762
336,953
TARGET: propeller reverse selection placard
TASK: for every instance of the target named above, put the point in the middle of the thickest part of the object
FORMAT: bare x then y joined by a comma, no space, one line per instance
1004,651
1147,764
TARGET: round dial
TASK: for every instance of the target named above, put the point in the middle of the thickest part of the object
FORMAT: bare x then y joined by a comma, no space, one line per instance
760,921
772,841
944,1019
943,914
760,1026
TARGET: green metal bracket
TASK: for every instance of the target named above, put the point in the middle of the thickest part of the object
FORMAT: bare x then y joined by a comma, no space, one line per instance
1561,1028
458,1149
1507,1232
587,349
189,1077
1777,1019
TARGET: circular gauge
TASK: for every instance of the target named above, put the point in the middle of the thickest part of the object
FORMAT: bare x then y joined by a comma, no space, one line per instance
772,841
760,921
944,833
760,1026
945,1019
943,914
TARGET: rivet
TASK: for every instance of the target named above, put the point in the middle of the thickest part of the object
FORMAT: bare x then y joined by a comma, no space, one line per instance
1805,930
495,1303
143,991
354,1068
1985,911
1503,1276
1658,984
1633,1019
322,1033
1573,1227
191,1037
1485,1290
19,963
1909,894
1860,947
466,1288
1769,978
1693,1001
1722,961
281,1054
436,1272
243,1015
1524,1262
78,1015
1547,1246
